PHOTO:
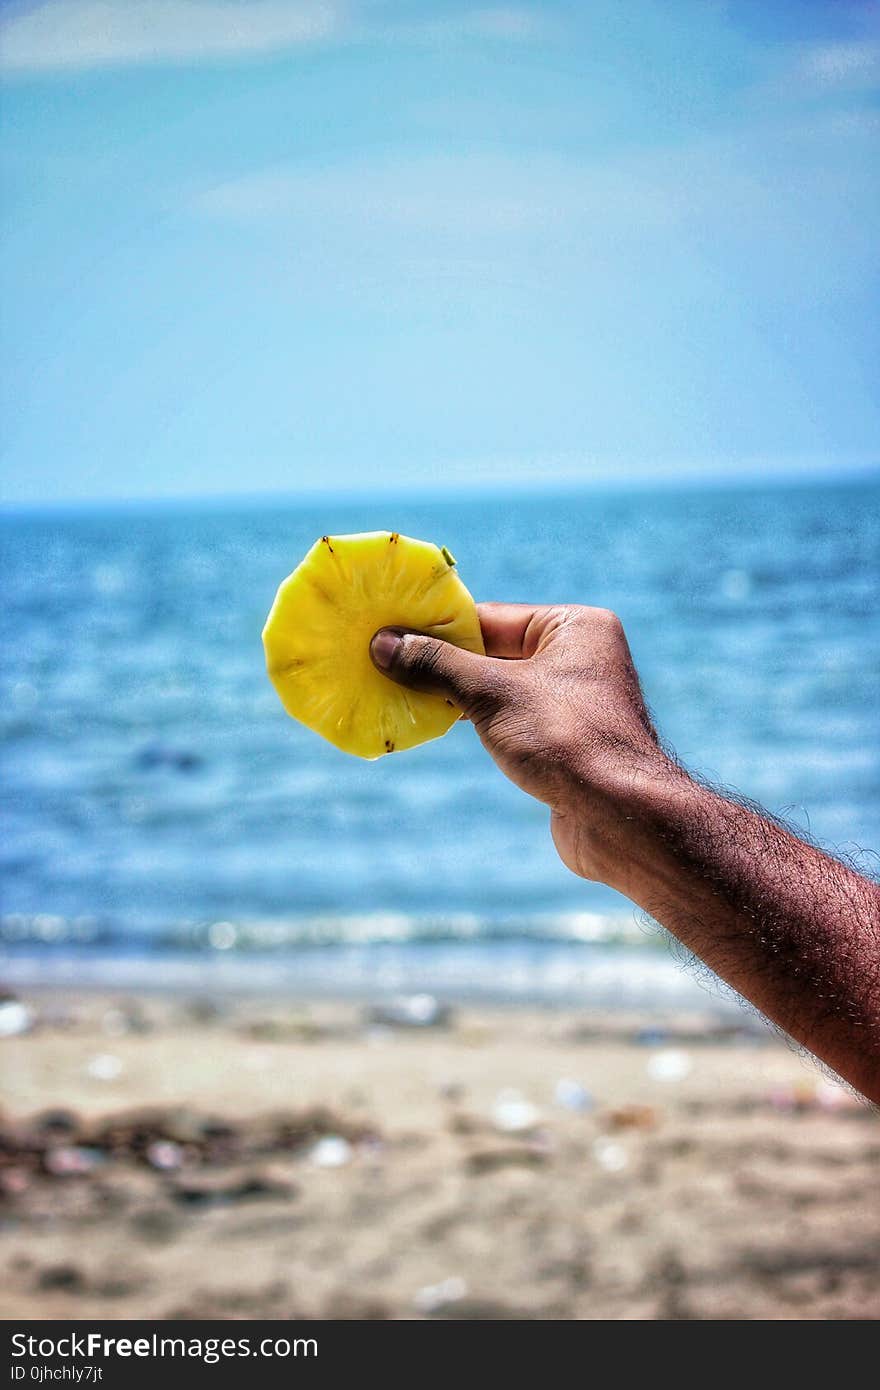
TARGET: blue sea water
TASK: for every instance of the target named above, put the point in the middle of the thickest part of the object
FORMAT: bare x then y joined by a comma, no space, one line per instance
159,807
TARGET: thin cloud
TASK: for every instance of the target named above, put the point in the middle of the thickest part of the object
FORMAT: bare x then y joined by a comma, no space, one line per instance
841,65
492,192
65,35
510,24
767,199
77,34
469,194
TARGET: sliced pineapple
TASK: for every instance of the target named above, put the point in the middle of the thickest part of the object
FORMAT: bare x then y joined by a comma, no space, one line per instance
317,638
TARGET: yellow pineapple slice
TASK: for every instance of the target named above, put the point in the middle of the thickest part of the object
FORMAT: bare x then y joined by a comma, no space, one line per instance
317,638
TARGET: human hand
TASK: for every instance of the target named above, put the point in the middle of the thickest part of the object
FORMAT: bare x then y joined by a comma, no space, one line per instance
557,703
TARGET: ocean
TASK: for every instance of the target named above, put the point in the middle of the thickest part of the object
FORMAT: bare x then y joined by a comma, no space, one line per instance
164,821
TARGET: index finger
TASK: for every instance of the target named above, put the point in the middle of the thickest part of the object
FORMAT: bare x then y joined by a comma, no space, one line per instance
512,630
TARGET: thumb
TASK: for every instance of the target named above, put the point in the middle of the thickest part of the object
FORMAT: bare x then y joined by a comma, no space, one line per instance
437,668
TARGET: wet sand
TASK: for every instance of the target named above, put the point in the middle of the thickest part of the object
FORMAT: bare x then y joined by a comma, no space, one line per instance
173,1158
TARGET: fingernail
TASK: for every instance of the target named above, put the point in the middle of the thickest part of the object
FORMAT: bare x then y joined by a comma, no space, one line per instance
383,647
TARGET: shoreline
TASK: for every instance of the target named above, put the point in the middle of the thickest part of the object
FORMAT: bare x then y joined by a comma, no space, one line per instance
605,977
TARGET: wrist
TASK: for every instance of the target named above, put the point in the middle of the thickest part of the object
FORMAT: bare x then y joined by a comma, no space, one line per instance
618,815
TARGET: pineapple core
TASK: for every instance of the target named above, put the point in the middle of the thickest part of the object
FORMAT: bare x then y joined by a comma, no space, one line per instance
317,638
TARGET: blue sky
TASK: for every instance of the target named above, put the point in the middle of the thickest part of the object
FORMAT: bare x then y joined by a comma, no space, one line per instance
269,245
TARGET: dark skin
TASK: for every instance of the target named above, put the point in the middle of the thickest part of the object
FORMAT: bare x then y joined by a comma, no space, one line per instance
557,703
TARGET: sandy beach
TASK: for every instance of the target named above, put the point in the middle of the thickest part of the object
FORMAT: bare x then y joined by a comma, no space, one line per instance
172,1158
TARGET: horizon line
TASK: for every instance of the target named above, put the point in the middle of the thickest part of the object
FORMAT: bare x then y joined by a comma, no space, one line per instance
461,490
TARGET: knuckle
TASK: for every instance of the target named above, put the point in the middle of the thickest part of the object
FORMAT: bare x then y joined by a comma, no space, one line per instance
608,620
426,664
422,656
560,615
589,620
487,699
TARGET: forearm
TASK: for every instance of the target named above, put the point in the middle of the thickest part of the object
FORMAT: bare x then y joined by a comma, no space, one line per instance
556,700
794,931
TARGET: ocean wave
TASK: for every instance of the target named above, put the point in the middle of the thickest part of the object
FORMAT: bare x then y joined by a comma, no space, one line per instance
267,935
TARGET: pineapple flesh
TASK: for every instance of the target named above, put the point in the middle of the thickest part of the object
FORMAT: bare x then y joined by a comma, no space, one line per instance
318,632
